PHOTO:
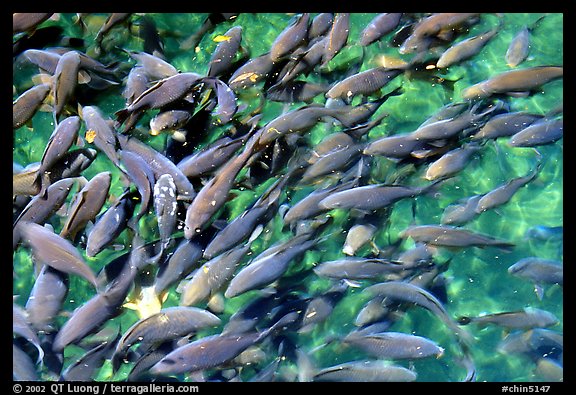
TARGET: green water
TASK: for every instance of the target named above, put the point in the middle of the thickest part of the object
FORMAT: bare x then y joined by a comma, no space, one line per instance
477,279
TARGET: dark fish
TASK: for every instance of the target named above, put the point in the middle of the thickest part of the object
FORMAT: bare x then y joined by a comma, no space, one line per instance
502,194
449,236
507,124
210,158
46,298
110,225
291,37
269,266
159,164
86,367
462,212
549,369
539,271
381,25
363,83
165,207
215,193
226,99
528,318
209,24
519,46
169,324
332,162
320,25
41,207
545,233
169,120
212,276
251,72
223,56
72,164
337,37
353,268
25,182
395,345
365,371
398,146
23,368
87,204
136,83
114,19
180,263
153,66
305,62
138,171
152,42
64,81
451,162
539,133
371,197
465,49
22,328
26,105
53,250
514,82
295,91
44,59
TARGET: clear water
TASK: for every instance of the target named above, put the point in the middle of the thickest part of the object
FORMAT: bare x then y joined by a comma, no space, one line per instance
478,281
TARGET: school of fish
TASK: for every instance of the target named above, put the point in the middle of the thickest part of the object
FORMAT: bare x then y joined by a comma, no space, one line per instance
196,215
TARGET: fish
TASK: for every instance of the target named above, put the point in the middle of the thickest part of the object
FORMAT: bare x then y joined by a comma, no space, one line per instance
211,21
549,369
136,83
465,49
365,371
28,103
114,19
110,225
450,236
502,194
332,162
251,72
23,368
165,207
154,67
25,182
169,324
357,237
103,134
86,367
22,328
337,37
396,146
378,27
451,162
46,298
353,268
539,133
210,158
411,293
513,82
179,264
506,124
539,271
55,251
394,345
304,63
291,37
139,173
64,81
519,46
226,99
461,212
364,83
223,56
320,25
528,318
28,21
545,233
295,91
87,204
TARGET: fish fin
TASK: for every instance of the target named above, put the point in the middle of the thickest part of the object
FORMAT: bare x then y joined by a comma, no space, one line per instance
539,291
84,77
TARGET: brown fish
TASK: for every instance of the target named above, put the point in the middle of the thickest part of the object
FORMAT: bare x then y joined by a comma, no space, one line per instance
26,105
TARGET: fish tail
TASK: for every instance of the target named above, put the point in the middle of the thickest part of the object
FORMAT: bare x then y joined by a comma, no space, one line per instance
122,115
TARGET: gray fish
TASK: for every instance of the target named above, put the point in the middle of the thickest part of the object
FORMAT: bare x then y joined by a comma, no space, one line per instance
539,271
21,327
379,26
291,37
449,236
331,162
165,207
451,162
269,265
64,81
465,49
26,105
549,369
363,83
320,25
169,324
514,82
371,197
210,158
100,132
295,91
507,124
365,371
358,236
353,268
53,250
397,146
531,341
305,62
169,120
251,72
502,194
226,99
223,56
213,275
462,212
179,264
153,66
395,345
87,204
539,133
337,37
138,171
215,193
545,233
27,21
72,164
136,83
44,59
110,225
114,19
41,207
519,46
46,298
86,367
159,164
25,181
528,318
23,368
